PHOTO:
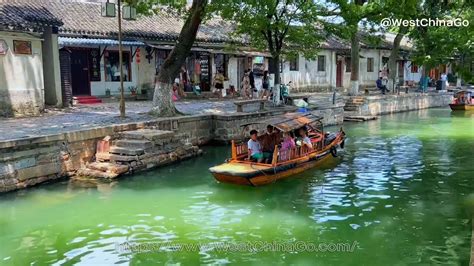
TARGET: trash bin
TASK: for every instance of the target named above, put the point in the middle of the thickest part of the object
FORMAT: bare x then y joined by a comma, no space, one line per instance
439,85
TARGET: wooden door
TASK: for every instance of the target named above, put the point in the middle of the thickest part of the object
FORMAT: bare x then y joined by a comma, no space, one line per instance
339,74
80,72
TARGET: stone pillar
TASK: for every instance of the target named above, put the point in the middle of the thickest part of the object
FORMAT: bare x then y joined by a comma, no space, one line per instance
51,71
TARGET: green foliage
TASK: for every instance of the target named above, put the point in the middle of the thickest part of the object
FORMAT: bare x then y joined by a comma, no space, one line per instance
283,27
440,45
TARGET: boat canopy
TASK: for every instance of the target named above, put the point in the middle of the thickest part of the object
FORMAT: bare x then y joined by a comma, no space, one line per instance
289,121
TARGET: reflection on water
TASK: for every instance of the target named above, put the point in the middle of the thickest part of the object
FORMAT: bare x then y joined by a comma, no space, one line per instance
398,190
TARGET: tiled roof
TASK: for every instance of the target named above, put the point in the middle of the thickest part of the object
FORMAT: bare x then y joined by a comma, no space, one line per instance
84,19
23,15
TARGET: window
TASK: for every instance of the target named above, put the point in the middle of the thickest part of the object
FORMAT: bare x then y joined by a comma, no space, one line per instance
112,66
294,64
21,47
348,64
321,63
370,64
414,68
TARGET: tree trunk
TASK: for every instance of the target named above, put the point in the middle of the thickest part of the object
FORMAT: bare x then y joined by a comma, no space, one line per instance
276,83
355,48
162,100
392,60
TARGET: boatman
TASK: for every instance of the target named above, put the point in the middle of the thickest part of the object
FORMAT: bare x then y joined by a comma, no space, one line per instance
269,140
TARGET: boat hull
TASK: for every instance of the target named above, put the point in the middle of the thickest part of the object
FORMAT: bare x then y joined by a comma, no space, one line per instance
255,174
264,179
462,107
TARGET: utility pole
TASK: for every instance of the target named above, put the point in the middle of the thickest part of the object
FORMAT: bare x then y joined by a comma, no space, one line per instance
122,100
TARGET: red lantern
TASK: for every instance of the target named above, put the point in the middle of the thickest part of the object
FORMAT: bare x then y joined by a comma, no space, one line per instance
137,55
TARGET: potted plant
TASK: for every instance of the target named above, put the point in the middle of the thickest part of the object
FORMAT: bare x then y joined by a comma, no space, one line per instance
133,90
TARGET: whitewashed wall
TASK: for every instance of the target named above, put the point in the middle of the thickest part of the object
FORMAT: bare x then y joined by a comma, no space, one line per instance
146,71
307,76
408,75
21,77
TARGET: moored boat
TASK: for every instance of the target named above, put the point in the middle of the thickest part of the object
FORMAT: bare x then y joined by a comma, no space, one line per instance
284,162
462,101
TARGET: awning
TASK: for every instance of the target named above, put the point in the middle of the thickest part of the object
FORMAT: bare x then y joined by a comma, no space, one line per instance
289,121
70,41
213,50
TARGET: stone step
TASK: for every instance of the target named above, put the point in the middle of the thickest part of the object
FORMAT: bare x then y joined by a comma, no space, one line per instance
350,109
102,156
123,158
91,173
359,118
108,167
356,101
147,134
133,143
125,151
352,105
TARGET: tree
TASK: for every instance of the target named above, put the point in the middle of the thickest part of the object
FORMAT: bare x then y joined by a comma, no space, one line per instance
443,44
353,13
398,10
285,28
162,101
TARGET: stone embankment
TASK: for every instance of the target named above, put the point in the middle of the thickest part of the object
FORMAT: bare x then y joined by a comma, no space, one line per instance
388,104
32,160
135,151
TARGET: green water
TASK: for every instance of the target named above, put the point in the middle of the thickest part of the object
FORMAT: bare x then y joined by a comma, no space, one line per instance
396,196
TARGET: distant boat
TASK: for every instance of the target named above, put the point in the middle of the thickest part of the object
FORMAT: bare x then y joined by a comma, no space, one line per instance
463,101
285,163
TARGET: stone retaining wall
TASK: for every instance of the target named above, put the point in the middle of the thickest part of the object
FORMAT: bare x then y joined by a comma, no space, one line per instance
30,161
387,104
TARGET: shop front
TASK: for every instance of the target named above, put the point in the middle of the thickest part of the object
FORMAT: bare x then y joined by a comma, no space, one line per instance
94,69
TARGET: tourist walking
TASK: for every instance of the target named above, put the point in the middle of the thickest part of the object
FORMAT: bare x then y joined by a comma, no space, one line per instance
444,81
245,87
252,82
219,83
265,85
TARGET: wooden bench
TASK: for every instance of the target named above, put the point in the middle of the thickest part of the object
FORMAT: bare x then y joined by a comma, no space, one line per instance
240,104
292,98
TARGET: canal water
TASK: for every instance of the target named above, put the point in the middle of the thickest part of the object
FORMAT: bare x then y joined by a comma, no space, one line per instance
396,196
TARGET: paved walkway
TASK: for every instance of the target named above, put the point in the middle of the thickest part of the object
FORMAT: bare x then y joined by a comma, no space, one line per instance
89,116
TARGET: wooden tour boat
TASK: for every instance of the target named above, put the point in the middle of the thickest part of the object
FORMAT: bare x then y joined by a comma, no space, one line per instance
463,101
240,170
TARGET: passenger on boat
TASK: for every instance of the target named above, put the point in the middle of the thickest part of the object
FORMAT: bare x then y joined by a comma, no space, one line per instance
304,139
286,146
269,140
254,147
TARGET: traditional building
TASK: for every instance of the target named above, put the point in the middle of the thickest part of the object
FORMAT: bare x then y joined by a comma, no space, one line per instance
73,51
29,63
